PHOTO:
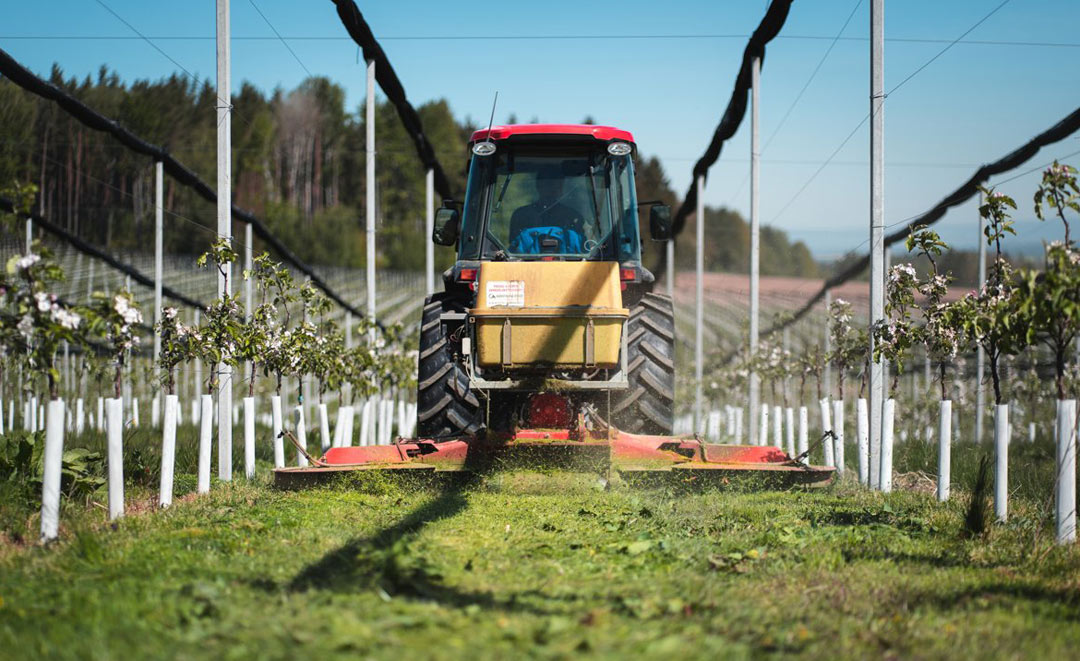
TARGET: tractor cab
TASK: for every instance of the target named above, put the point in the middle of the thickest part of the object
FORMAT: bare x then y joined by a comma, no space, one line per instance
549,193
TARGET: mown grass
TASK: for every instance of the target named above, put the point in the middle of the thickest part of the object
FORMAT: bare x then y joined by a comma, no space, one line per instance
539,565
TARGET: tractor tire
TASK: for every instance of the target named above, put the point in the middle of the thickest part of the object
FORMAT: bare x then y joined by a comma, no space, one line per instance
446,408
647,406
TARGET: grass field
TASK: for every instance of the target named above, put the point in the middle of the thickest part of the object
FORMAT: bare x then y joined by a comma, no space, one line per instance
538,565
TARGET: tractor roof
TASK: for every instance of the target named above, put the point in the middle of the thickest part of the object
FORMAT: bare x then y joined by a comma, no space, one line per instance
603,133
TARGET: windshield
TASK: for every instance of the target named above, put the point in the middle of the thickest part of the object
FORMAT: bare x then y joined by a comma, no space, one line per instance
532,203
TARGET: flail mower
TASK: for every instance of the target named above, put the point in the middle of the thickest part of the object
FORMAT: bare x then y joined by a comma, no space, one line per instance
548,346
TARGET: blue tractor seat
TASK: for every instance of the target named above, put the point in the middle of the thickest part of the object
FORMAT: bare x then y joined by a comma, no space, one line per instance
539,241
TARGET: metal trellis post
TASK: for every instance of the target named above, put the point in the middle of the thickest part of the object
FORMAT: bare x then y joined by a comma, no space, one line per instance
755,220
159,246
877,212
828,345
699,316
224,225
429,226
980,357
370,192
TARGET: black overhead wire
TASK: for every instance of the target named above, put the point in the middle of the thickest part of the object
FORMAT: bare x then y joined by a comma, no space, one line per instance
813,74
124,193
806,86
90,118
865,119
88,249
736,109
159,49
361,33
1016,176
1063,129
280,38
534,37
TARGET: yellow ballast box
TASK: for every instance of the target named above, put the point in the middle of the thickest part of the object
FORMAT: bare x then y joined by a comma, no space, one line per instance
562,314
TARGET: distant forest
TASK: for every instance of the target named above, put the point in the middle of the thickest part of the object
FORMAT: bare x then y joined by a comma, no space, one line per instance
298,163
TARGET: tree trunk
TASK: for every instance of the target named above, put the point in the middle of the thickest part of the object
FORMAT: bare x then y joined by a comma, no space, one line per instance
1059,361
118,380
993,355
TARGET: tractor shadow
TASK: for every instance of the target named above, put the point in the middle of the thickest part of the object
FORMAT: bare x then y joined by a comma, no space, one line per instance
384,562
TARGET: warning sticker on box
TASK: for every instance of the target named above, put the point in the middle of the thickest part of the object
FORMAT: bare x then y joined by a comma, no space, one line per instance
505,294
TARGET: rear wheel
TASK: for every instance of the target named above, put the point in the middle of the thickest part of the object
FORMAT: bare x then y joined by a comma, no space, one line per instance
648,405
445,405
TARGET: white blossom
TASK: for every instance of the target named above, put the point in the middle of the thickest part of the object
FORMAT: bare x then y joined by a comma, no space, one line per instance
127,312
27,261
66,318
26,326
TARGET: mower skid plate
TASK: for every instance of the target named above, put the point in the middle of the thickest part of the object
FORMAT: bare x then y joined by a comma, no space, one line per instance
640,459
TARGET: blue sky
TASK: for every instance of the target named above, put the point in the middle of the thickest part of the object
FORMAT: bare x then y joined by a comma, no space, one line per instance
669,84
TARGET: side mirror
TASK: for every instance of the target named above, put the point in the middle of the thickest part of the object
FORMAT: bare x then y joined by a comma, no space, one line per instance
660,222
447,222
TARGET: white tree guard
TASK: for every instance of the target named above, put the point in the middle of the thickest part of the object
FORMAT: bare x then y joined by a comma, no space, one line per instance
763,429
804,432
206,430
279,442
1065,500
862,434
826,425
114,413
53,462
778,427
347,415
324,428
888,420
339,427
249,437
944,450
80,416
386,421
301,436
789,430
367,423
1001,462
168,450
838,429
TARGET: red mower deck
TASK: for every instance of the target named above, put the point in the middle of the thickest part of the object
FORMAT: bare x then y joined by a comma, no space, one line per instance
640,460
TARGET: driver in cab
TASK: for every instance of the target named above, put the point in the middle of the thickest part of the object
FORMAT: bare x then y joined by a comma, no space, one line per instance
547,225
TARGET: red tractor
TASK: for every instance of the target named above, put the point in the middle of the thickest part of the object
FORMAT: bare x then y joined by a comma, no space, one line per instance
548,344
